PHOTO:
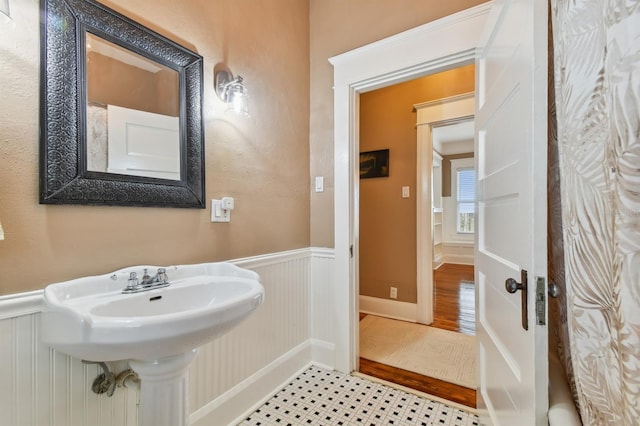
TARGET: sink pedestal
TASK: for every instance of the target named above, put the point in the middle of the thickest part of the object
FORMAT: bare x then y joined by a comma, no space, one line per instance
164,390
91,318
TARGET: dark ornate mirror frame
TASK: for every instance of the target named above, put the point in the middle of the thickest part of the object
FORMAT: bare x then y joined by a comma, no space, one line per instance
64,178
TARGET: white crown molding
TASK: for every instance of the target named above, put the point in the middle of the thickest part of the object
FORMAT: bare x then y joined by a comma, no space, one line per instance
444,101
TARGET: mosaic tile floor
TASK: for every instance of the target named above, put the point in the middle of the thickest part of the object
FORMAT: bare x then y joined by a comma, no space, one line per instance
322,397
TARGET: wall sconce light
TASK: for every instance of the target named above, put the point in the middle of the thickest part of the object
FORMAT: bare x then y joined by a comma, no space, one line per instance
5,11
232,92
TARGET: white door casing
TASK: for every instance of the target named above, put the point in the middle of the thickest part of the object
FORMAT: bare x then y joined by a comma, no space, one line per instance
399,58
511,213
431,114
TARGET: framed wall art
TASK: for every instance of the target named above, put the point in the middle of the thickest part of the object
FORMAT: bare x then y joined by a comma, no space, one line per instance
374,164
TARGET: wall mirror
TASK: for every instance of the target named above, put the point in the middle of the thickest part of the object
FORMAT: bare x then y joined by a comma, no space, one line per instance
121,111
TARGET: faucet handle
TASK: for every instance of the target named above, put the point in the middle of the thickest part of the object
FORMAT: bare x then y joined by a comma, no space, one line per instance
133,279
132,283
162,275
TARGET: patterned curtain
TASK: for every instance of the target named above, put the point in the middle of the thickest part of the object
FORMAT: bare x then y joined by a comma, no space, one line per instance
595,196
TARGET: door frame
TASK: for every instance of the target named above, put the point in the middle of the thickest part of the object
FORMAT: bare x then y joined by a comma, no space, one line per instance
431,114
402,57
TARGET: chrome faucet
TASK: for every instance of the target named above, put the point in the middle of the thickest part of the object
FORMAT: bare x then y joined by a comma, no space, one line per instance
148,282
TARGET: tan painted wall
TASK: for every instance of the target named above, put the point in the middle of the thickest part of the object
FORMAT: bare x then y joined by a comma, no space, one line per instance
261,161
338,26
116,83
388,221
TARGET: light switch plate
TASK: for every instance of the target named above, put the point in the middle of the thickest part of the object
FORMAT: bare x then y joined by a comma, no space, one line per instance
319,183
218,214
406,192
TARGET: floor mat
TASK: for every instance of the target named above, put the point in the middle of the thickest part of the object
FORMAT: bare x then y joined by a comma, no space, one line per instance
429,351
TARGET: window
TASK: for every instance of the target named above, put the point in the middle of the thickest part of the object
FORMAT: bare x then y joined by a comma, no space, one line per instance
466,197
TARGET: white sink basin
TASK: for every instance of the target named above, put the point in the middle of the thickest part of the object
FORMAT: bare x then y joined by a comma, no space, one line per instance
90,318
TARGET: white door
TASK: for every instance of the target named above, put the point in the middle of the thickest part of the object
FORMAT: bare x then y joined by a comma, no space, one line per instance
511,147
143,143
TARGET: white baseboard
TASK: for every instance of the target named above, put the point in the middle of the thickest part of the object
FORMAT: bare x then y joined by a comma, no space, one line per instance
240,401
458,260
394,309
323,353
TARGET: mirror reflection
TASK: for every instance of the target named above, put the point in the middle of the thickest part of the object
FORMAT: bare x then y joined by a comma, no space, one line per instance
133,110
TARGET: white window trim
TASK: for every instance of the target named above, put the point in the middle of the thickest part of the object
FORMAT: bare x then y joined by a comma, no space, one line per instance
451,204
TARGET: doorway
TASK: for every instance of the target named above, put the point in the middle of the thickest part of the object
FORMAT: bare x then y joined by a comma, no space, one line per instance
395,228
512,362
358,73
395,248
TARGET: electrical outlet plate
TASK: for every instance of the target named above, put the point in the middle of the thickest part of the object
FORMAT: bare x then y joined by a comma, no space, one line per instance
393,293
227,203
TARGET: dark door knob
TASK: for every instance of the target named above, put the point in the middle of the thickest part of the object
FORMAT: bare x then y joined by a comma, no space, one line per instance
512,285
554,289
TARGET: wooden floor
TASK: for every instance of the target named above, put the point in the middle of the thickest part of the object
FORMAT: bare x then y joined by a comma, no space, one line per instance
454,310
455,295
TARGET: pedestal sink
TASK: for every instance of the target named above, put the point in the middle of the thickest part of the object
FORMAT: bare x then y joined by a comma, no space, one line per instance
157,328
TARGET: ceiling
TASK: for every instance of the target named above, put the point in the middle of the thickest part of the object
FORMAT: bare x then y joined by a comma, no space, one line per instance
453,138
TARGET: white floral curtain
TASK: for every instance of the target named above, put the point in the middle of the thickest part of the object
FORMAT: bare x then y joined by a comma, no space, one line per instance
596,46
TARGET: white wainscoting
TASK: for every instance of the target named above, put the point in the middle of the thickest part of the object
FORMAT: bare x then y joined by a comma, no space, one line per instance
229,377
